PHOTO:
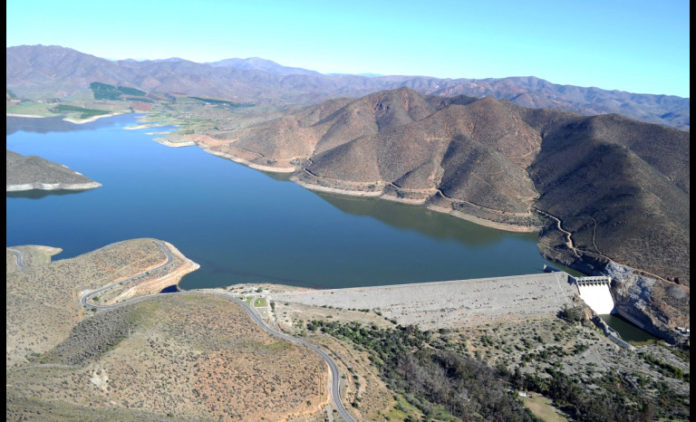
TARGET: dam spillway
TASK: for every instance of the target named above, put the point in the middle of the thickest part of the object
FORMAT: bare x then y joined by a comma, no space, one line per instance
596,294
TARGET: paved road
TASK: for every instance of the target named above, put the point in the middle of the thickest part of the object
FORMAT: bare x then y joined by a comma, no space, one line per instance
18,256
84,300
335,375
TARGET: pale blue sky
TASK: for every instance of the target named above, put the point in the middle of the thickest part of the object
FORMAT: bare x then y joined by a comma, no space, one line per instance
631,45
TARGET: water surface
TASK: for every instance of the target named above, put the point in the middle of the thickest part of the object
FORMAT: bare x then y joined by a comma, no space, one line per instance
627,330
239,224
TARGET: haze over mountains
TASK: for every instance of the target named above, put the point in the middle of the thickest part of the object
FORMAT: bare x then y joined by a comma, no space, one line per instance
41,71
620,186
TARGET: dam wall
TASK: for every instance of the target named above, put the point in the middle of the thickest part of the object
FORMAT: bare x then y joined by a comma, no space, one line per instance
596,293
450,304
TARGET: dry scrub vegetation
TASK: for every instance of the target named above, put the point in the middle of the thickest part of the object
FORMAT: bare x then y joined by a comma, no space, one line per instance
524,353
42,300
193,356
174,357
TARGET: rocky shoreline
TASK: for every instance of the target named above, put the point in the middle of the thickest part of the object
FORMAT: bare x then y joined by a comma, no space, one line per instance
383,194
381,190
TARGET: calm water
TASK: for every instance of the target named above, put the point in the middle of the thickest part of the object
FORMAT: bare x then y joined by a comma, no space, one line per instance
239,224
627,330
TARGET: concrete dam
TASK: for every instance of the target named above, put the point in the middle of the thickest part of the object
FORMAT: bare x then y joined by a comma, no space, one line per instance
596,294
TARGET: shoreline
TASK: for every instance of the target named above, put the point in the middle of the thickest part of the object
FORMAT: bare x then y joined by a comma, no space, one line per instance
90,119
27,116
154,286
377,194
66,119
420,202
143,126
250,164
167,143
52,186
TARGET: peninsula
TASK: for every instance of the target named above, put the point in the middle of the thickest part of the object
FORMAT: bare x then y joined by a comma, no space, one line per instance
25,173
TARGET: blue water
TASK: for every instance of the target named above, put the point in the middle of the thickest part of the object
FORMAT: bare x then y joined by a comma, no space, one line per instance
239,224
170,289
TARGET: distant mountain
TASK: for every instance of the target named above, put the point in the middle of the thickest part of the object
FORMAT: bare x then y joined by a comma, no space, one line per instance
256,63
56,72
619,186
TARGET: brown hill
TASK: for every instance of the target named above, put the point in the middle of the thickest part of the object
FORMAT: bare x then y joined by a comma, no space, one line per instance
55,72
620,187
32,172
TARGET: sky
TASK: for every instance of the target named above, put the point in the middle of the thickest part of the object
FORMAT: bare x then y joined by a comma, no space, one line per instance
630,45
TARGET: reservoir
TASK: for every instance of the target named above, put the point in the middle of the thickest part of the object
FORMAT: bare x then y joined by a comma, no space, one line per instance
239,224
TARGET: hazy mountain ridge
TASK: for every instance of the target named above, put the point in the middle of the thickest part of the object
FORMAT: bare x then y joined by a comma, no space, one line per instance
50,71
257,63
620,186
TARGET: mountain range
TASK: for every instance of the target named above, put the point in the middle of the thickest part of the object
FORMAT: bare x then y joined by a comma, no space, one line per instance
618,187
35,72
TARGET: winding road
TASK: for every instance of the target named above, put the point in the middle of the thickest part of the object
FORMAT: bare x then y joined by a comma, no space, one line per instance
84,300
18,256
571,246
335,375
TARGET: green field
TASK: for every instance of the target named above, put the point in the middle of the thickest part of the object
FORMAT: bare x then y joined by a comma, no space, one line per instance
84,112
222,102
104,91
260,302
131,91
30,108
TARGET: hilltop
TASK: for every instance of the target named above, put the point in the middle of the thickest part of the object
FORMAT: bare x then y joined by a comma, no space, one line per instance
51,72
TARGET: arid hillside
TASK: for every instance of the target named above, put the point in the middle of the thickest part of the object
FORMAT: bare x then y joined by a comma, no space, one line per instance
195,357
43,295
618,187
173,357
